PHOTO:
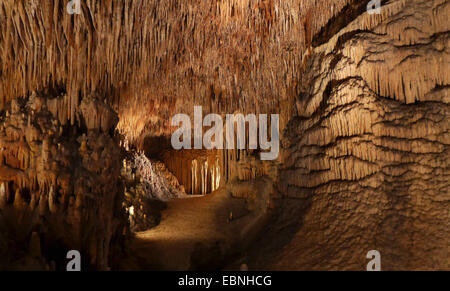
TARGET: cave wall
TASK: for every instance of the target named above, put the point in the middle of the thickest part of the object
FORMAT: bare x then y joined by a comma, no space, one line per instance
59,185
366,156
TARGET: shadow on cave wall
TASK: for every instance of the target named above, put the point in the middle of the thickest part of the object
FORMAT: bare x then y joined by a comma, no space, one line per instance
155,145
281,230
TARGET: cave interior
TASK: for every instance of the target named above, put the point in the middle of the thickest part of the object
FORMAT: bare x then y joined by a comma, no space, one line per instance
343,146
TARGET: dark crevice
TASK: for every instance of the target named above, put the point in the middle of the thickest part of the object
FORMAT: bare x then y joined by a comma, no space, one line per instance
349,13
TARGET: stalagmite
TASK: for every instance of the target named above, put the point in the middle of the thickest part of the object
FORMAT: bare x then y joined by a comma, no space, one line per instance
33,202
42,205
19,202
52,201
3,199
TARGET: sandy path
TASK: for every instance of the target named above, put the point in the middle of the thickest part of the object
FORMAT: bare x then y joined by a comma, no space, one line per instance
194,233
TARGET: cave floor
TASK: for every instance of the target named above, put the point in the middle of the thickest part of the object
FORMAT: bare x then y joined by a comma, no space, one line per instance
194,234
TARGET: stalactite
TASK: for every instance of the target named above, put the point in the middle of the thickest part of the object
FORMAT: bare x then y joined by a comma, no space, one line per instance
194,176
220,42
203,173
3,198
200,171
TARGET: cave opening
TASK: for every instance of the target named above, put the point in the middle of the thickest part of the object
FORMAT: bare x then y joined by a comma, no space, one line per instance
199,171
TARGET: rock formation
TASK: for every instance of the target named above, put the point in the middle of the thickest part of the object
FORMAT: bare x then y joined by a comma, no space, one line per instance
367,155
59,183
363,100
